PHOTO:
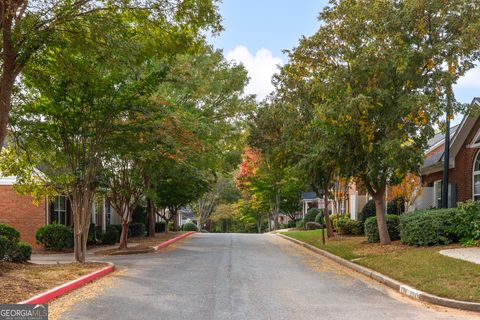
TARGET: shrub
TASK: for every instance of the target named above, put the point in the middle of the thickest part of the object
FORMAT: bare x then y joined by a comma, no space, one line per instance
396,206
312,225
347,226
110,236
5,246
55,236
136,229
118,227
9,232
292,224
368,211
20,252
429,227
311,214
189,226
160,226
371,228
467,222
300,224
319,218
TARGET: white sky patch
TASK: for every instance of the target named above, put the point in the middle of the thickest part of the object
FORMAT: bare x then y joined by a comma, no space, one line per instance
261,67
471,79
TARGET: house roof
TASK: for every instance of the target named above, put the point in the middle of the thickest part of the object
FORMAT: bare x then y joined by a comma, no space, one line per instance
458,134
310,195
187,213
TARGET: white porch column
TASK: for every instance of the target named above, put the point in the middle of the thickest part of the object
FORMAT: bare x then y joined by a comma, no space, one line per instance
94,212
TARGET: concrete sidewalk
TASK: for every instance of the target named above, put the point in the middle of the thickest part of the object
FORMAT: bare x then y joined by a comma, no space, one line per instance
467,254
54,258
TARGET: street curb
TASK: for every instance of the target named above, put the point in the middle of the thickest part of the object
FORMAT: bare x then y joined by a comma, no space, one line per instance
169,242
389,282
69,286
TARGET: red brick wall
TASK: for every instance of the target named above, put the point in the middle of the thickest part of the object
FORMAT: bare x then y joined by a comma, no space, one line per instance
461,175
19,212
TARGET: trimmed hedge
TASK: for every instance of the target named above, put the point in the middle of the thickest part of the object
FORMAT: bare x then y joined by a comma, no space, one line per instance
429,227
368,211
311,214
110,236
9,232
189,226
136,229
11,248
20,252
319,218
55,236
312,225
300,224
292,223
347,226
160,226
371,228
467,224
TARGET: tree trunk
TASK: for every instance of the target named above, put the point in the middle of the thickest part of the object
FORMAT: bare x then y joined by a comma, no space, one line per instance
8,75
124,235
326,216
151,218
378,197
81,206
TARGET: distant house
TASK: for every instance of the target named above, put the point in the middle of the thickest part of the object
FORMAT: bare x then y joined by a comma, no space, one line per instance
20,212
464,167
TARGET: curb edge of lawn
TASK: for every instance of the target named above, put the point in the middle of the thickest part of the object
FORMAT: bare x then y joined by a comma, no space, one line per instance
389,282
70,286
169,242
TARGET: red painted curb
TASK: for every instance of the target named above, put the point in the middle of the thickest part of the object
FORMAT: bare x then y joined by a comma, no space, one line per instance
169,242
67,287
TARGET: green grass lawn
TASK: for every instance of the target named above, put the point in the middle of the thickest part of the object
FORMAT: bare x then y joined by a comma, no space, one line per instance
423,268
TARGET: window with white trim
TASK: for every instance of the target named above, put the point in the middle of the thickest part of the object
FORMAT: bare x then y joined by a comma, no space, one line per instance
476,178
59,212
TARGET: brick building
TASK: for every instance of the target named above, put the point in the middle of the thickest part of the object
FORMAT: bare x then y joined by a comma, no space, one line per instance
464,172
20,212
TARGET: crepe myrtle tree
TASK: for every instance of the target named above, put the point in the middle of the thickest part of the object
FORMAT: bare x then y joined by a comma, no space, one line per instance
28,27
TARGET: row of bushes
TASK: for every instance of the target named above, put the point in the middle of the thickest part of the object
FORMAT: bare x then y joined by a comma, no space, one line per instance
57,236
11,248
419,228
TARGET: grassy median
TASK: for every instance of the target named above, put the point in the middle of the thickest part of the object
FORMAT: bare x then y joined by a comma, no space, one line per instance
423,268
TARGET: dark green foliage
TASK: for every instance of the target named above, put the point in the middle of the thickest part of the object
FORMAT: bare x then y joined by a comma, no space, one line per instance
371,228
55,236
140,215
20,252
160,226
429,227
10,233
319,218
111,235
136,229
292,223
311,214
5,246
312,225
347,226
92,234
396,206
368,211
300,224
118,227
189,226
467,224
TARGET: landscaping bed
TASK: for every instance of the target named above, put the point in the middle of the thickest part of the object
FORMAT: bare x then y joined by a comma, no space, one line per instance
21,281
423,268
142,244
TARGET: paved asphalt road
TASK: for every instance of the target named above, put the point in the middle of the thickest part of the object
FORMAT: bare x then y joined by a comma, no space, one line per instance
237,276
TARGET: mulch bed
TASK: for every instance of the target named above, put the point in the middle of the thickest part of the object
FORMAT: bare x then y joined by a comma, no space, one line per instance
142,244
20,281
